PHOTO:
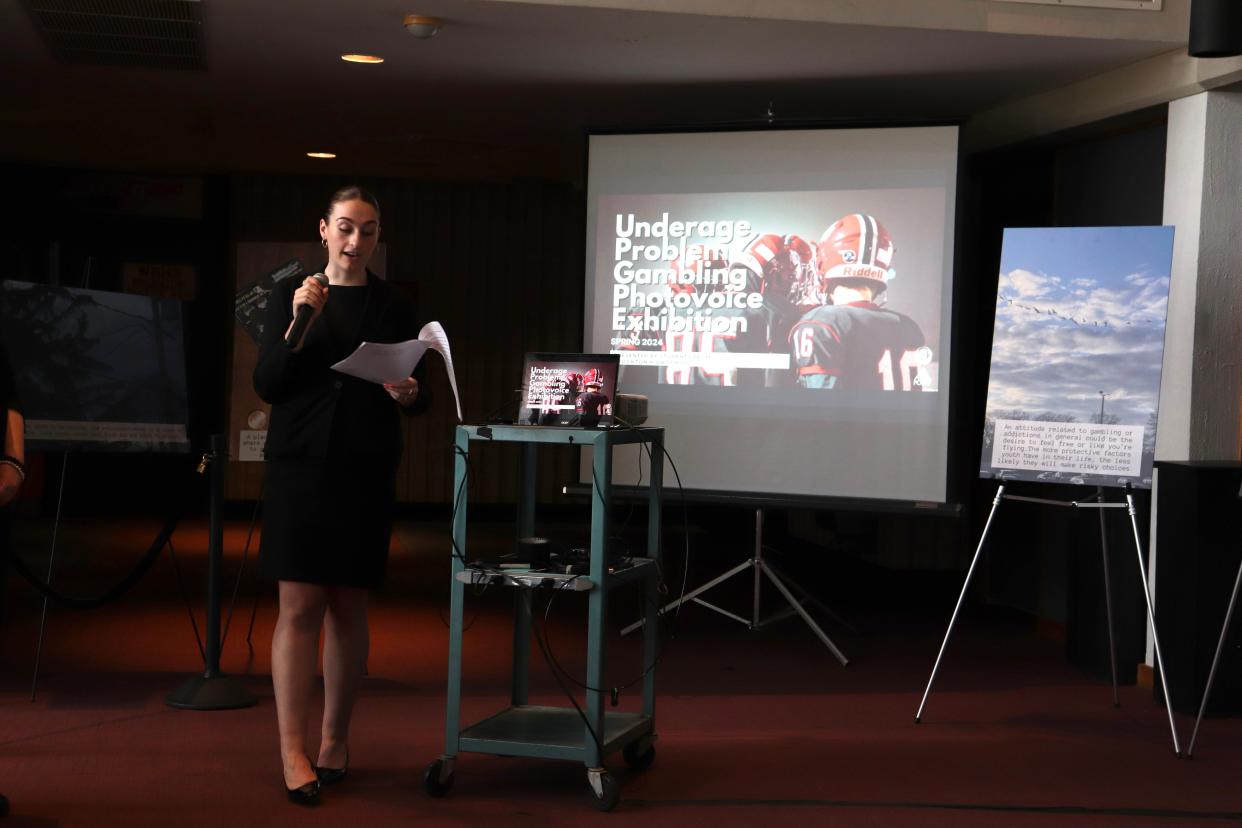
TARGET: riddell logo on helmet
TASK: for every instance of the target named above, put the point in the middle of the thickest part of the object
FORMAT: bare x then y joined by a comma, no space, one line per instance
857,272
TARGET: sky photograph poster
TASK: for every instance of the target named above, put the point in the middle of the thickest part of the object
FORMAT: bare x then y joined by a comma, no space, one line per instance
1076,355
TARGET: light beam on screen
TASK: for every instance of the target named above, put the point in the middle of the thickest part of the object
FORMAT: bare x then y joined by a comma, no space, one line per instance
784,300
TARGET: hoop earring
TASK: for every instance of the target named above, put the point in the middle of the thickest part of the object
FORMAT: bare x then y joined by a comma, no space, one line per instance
323,243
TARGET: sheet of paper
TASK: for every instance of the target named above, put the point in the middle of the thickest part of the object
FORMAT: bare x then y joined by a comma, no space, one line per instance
437,340
381,363
392,362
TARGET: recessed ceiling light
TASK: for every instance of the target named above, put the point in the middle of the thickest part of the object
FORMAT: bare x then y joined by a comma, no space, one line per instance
362,58
321,155
422,26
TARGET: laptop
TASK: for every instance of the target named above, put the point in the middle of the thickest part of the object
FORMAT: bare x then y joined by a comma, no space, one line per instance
569,389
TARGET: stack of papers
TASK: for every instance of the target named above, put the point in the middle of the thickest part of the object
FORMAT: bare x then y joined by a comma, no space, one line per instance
389,363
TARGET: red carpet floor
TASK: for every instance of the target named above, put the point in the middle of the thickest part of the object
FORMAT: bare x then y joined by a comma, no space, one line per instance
755,728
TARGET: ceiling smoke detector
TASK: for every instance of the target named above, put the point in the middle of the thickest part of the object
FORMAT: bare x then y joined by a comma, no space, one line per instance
422,26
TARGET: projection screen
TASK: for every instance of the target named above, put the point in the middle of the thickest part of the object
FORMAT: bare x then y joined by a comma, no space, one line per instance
783,298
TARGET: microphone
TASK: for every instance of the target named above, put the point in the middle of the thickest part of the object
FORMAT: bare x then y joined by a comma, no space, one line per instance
302,320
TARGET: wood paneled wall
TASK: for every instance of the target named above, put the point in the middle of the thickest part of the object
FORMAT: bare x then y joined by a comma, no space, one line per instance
499,265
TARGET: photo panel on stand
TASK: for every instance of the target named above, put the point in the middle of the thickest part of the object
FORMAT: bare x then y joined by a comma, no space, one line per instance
1077,349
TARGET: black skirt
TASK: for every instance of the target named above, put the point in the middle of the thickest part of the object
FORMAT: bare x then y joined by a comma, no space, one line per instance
328,521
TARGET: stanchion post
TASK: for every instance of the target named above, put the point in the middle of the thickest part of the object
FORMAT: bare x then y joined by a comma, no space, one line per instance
215,553
213,690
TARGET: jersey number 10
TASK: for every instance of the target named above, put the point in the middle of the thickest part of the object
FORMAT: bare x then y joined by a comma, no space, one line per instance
905,368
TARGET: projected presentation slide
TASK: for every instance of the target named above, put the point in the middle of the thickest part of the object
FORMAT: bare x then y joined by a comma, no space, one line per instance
96,370
801,302
1076,356
783,299
568,389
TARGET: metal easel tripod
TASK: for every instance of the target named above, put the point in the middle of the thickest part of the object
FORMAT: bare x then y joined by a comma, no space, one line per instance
1097,503
761,567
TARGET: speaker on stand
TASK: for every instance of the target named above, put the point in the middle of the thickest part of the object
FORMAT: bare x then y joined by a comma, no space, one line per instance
1215,28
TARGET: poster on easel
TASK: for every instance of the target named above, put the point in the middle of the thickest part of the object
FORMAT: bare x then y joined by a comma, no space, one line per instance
1076,355
96,370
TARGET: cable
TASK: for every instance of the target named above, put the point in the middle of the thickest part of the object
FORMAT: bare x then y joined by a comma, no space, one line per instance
254,517
671,629
456,552
685,515
185,599
638,484
465,627
568,693
254,611
548,654
671,633
615,691
517,400
457,500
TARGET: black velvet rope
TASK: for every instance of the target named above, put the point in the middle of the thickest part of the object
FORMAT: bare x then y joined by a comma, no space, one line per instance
121,587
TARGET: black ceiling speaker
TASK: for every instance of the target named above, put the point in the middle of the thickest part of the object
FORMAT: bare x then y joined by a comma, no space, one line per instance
1215,28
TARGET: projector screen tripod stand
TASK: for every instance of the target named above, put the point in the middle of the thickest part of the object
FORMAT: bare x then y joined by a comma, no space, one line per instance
760,566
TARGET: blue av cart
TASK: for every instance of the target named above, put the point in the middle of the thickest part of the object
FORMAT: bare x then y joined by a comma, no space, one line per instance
523,729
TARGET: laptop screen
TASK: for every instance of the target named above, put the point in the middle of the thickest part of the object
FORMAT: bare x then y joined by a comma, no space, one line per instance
569,389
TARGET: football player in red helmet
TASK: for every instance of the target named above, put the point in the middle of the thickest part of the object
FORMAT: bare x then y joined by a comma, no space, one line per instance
782,269
853,343
573,386
593,400
783,265
855,251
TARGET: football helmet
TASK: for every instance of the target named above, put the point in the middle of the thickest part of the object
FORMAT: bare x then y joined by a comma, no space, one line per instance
856,250
784,264
592,377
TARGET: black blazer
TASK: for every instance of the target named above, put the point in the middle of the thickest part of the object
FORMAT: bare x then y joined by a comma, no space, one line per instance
304,390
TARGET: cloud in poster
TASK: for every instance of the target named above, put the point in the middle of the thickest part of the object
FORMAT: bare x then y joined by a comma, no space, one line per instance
1060,341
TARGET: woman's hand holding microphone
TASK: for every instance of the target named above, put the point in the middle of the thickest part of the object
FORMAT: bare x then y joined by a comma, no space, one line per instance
308,302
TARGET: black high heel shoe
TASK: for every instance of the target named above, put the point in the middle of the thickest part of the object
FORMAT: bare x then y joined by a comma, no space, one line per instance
330,776
307,794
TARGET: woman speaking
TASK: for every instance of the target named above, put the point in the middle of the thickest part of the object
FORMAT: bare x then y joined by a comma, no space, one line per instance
332,453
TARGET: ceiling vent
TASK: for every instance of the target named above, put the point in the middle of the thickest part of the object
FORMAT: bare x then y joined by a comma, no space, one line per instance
150,34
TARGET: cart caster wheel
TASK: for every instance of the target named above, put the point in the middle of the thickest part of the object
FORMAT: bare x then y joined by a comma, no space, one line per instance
605,790
435,782
638,758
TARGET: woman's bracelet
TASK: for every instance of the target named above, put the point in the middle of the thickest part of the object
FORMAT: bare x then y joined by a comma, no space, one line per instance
10,460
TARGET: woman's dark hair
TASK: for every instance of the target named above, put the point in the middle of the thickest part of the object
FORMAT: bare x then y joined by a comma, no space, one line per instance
351,193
